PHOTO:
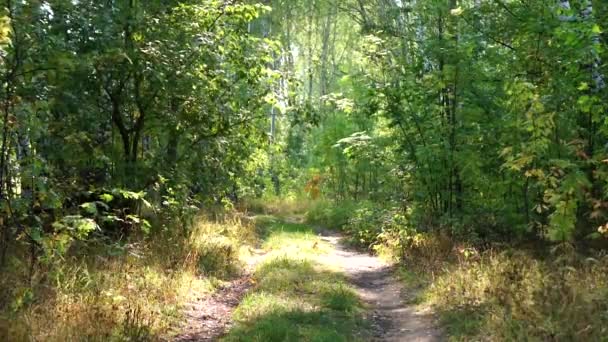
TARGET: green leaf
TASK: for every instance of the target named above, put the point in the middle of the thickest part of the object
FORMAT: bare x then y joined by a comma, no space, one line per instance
133,218
146,226
106,198
89,208
456,11
36,234
584,103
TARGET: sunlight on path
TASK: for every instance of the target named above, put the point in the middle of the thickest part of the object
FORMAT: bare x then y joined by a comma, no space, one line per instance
303,286
295,297
391,318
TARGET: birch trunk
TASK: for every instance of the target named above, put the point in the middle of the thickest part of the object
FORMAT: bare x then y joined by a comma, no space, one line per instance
586,16
596,74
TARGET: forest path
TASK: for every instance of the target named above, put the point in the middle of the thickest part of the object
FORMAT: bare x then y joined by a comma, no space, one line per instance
387,316
210,317
391,318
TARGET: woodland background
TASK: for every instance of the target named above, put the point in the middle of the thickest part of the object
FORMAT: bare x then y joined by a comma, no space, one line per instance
459,137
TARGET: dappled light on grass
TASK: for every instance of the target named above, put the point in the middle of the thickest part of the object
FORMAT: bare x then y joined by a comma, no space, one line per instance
293,239
296,298
282,207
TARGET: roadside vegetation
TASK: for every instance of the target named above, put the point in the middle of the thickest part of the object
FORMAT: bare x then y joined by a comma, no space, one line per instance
497,291
130,291
513,294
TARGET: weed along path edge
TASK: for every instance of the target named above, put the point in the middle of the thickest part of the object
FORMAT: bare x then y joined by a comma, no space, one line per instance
391,318
208,318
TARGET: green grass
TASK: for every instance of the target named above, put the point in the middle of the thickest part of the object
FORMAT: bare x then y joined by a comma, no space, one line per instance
292,239
296,298
462,324
415,284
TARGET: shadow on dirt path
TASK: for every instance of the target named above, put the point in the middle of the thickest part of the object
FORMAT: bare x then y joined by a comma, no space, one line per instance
390,317
209,318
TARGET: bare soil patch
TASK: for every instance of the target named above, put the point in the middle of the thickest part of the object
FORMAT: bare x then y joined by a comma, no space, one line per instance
391,318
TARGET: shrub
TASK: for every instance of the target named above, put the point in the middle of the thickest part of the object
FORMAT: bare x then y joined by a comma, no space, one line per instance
365,225
330,214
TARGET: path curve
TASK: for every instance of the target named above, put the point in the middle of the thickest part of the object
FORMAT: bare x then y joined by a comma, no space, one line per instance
391,318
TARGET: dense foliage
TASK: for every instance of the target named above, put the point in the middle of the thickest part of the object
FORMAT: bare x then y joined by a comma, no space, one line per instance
112,110
481,117
402,122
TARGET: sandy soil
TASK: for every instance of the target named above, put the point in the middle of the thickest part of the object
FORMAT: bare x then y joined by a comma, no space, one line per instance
391,318
209,318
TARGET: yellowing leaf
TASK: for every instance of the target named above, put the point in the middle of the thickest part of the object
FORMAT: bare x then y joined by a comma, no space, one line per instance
456,11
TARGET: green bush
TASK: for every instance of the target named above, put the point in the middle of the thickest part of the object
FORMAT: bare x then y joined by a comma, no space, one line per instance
365,225
331,214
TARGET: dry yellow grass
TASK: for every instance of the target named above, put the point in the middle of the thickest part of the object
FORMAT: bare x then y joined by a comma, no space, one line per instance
512,295
97,294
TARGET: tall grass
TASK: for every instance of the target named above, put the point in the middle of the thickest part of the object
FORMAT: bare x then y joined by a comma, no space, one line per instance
511,294
133,291
278,206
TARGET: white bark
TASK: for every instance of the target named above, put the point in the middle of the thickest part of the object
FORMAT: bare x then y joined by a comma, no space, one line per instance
565,8
598,78
586,16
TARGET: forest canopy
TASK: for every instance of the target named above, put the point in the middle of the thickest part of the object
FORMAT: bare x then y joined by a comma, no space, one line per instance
473,113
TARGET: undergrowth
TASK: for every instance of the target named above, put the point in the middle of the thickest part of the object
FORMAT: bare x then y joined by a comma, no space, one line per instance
132,291
278,206
510,294
365,224
330,214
